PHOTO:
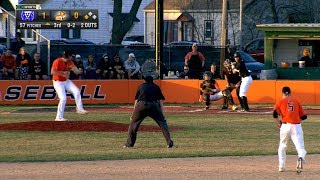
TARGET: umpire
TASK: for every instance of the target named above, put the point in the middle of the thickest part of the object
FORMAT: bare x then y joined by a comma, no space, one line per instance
148,102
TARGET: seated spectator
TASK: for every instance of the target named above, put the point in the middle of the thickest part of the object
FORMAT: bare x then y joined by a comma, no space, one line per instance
9,65
132,68
306,58
213,71
90,68
118,67
105,68
79,64
23,62
1,69
185,73
38,68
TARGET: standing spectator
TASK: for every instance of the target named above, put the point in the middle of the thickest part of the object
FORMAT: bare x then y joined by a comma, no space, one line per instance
213,70
17,43
38,68
118,67
185,73
9,65
195,60
79,64
90,68
132,67
105,68
292,114
60,71
23,62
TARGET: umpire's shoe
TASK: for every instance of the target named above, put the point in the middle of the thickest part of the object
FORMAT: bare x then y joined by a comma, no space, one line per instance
171,144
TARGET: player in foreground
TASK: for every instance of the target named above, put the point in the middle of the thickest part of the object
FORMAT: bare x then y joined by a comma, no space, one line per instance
60,72
292,114
210,91
148,102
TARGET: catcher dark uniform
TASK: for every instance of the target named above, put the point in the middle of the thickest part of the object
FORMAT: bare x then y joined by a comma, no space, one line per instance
233,82
148,102
210,90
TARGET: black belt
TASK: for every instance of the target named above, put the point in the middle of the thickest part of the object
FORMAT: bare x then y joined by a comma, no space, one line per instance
289,123
147,101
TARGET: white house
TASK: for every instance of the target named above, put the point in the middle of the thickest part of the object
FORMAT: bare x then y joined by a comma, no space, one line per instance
105,9
194,20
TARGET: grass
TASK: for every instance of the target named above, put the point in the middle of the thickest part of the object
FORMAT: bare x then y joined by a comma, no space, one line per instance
203,135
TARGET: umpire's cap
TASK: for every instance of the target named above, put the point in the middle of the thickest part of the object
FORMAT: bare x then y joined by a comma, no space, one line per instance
286,90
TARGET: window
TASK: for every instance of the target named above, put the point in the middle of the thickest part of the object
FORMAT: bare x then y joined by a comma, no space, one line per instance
170,31
76,34
187,31
208,29
65,33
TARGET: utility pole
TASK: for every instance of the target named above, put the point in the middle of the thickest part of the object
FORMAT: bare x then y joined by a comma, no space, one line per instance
159,34
223,35
240,25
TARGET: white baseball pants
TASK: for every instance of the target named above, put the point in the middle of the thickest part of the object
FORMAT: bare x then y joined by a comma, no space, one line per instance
293,131
61,87
245,83
216,96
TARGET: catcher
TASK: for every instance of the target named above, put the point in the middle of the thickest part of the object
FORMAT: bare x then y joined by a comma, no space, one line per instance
210,91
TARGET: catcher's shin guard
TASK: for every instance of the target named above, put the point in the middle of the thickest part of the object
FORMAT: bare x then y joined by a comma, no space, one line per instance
206,98
230,100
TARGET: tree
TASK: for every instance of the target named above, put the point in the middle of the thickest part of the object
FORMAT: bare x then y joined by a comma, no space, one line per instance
120,26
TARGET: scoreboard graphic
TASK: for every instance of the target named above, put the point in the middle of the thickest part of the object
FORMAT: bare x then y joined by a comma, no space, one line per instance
32,17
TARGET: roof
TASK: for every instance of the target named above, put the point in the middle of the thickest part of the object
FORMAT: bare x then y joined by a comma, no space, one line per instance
32,1
195,4
6,4
306,27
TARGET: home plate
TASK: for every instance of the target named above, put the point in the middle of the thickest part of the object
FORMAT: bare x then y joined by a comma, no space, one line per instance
197,110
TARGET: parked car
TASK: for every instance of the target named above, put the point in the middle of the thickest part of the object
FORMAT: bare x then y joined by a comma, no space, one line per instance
186,43
2,49
130,40
252,65
255,48
3,41
68,41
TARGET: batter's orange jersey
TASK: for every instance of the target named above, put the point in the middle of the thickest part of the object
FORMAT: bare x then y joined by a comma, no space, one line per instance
290,109
60,65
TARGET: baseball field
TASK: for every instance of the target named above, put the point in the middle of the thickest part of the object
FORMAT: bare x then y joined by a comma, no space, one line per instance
208,144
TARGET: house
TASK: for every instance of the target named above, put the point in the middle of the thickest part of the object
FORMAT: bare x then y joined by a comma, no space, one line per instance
8,5
105,9
194,20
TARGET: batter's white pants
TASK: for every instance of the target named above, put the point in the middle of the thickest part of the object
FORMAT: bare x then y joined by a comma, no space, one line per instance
216,96
293,131
61,87
245,83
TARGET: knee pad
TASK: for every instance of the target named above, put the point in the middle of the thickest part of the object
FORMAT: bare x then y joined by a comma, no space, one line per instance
226,92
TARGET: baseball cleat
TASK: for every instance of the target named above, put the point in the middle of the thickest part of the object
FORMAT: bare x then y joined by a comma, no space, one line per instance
206,108
171,144
281,169
60,119
234,107
299,165
82,111
224,108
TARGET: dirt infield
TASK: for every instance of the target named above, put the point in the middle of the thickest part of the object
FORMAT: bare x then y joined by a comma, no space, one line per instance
249,167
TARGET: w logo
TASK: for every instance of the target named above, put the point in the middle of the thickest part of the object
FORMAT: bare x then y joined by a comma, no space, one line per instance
27,15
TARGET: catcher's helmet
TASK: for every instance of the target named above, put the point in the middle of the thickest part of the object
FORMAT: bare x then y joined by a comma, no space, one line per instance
227,63
207,73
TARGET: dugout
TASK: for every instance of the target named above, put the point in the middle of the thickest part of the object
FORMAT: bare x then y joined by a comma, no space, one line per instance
284,43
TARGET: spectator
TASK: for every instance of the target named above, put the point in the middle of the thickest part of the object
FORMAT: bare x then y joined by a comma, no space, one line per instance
1,69
195,60
132,67
185,73
105,68
38,68
79,64
306,58
118,67
9,65
23,62
213,70
90,68
17,44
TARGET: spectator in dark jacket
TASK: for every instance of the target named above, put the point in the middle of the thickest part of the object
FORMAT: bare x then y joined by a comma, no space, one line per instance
118,67
17,43
79,64
38,68
105,68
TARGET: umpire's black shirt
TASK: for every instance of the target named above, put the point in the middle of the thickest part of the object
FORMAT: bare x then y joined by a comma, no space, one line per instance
149,92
